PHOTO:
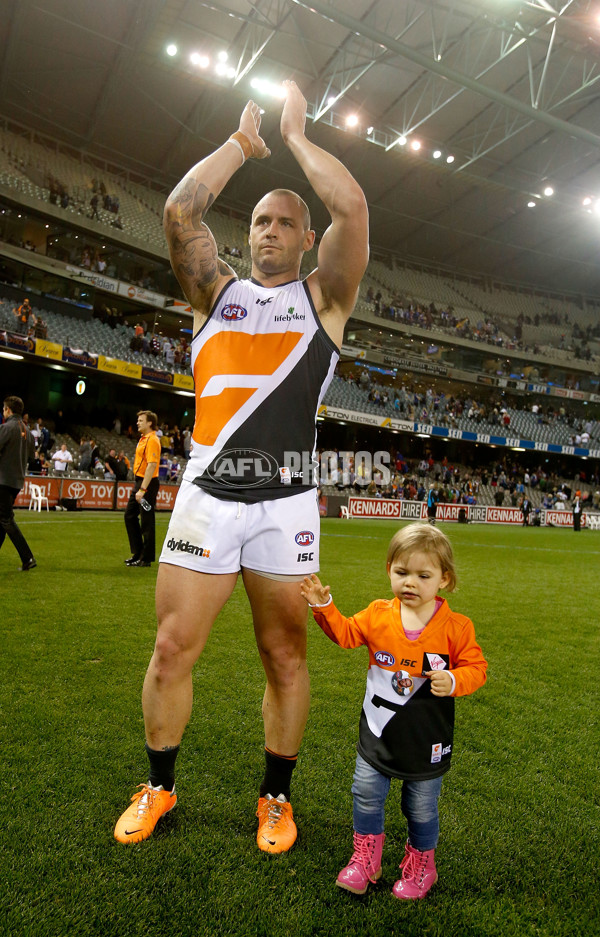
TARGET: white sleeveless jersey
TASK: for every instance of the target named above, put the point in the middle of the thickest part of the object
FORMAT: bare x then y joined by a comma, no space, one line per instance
261,362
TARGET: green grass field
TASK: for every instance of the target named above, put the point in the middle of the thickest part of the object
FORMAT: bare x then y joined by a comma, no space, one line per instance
520,814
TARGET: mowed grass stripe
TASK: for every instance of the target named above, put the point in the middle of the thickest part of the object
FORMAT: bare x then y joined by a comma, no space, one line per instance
519,809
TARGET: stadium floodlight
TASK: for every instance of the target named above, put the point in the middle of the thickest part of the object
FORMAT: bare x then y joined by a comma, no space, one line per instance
402,140
436,154
370,131
548,191
450,159
415,145
171,49
587,201
531,204
351,120
202,61
222,56
268,87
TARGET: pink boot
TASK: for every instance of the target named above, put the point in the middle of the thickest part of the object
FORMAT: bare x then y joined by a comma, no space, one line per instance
365,864
418,874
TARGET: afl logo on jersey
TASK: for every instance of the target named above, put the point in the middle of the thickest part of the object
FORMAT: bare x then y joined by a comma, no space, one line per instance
233,312
305,538
385,658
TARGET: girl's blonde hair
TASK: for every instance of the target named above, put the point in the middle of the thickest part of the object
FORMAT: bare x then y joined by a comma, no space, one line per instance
424,538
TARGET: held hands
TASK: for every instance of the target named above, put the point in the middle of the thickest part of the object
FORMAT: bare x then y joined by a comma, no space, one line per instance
314,591
250,127
441,682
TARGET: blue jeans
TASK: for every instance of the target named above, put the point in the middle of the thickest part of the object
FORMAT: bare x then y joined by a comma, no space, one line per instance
419,805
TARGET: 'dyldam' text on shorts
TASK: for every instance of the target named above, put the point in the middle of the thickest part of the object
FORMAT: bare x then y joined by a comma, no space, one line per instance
209,535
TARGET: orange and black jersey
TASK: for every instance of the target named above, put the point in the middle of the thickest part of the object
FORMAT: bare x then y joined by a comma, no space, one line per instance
405,731
262,362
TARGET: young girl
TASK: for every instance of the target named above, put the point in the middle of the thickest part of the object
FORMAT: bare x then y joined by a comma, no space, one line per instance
421,655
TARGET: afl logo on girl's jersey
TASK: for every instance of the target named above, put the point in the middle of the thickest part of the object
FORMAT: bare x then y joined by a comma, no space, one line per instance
233,312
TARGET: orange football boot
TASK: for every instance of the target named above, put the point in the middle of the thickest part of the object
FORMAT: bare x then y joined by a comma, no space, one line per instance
147,807
276,828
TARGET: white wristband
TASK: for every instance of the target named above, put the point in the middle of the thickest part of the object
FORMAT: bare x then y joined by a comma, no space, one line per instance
324,605
237,144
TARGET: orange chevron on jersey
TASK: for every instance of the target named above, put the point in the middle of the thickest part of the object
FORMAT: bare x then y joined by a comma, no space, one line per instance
233,354
262,362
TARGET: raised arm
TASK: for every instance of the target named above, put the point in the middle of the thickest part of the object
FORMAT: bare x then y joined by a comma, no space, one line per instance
192,247
344,248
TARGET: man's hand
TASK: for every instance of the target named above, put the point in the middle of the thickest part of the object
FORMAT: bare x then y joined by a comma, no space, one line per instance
314,591
293,116
250,127
441,682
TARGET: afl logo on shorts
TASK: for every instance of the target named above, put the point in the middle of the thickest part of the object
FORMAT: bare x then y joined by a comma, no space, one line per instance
305,538
233,312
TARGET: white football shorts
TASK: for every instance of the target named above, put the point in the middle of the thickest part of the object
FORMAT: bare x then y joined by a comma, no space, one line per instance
279,537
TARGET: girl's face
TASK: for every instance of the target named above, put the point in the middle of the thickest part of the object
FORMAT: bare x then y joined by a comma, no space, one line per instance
416,578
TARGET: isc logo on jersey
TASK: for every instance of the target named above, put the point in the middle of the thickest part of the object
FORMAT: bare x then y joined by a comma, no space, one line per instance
233,313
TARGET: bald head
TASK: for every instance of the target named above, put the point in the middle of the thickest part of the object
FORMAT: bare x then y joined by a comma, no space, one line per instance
292,197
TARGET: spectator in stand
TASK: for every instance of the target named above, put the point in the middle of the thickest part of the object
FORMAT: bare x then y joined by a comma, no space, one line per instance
94,457
85,455
62,458
94,206
23,314
124,466
111,466
40,329
174,469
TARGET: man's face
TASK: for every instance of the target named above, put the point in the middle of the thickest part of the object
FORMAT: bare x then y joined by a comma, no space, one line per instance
278,237
143,423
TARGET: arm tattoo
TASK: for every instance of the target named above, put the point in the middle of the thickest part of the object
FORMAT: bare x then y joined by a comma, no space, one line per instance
193,249
192,200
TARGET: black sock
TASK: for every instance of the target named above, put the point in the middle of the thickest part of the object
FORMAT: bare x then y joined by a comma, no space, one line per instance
162,766
278,774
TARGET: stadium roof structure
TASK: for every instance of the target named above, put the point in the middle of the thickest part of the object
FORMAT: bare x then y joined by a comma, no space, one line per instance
509,88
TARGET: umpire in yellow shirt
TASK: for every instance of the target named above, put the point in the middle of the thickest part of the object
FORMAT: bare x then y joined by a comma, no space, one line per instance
140,510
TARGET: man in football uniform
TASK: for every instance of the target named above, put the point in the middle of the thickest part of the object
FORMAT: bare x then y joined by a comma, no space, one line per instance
263,353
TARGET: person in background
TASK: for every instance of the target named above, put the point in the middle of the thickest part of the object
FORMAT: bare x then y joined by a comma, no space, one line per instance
577,509
62,458
140,517
16,448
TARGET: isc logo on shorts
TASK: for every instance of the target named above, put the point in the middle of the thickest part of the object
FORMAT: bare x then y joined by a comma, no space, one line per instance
233,312
305,538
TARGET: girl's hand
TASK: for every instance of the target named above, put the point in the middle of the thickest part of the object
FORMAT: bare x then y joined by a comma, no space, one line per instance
441,682
314,591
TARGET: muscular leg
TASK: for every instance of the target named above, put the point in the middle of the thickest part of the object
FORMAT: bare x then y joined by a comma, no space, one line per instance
280,614
187,604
